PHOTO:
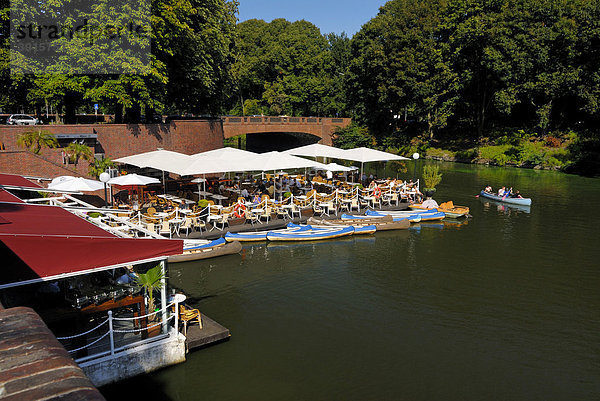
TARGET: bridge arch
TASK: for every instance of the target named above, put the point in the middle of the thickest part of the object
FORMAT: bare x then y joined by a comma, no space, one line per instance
321,127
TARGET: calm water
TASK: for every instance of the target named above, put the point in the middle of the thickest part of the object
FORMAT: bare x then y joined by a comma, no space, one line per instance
505,307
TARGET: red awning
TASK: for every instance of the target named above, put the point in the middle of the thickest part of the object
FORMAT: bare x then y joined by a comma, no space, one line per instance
54,243
6,196
17,181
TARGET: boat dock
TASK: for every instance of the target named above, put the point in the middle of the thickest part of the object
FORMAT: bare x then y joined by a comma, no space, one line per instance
210,333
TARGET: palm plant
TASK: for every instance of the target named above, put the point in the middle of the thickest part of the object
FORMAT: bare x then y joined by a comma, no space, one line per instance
34,140
78,151
432,177
151,281
100,166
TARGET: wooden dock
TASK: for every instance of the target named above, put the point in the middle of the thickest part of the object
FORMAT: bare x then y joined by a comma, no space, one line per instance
210,333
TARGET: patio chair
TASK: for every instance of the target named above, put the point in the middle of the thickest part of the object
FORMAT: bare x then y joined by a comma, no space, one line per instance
187,316
187,225
223,221
165,228
266,213
354,204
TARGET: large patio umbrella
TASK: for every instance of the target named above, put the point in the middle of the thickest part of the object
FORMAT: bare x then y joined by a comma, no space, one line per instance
133,180
76,184
164,160
317,150
364,155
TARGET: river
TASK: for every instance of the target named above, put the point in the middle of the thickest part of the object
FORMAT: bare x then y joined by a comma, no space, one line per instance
503,307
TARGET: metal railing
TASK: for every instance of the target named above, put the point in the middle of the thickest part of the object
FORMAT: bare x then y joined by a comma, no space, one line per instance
111,330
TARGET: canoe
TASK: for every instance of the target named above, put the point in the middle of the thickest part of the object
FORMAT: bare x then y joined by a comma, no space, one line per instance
205,251
449,209
311,234
513,201
430,215
374,216
253,236
359,229
381,223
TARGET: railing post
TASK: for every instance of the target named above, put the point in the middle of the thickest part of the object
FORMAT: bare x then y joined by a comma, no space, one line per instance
110,331
176,315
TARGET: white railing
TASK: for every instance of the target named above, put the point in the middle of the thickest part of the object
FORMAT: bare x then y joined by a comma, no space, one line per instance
110,331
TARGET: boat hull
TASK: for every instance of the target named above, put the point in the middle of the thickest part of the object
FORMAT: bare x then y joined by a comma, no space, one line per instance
310,234
207,253
512,201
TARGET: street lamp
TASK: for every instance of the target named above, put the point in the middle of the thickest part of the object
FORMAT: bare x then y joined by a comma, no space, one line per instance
416,157
104,177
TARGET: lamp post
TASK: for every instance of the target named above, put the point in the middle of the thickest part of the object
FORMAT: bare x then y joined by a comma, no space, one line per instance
104,177
416,157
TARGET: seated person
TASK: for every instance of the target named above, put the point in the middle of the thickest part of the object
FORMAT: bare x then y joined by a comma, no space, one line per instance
129,277
501,191
429,203
244,194
488,189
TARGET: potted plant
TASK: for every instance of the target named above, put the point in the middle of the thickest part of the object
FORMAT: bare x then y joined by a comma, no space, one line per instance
151,281
431,177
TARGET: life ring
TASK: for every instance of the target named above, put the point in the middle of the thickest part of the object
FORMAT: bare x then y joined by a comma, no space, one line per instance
376,192
237,208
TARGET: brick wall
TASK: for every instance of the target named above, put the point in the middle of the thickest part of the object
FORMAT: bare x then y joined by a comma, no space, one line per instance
114,140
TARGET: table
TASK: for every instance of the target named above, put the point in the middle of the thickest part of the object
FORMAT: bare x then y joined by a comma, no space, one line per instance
212,219
370,200
204,193
176,223
219,198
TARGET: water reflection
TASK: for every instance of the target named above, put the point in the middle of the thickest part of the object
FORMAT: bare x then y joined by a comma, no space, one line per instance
507,208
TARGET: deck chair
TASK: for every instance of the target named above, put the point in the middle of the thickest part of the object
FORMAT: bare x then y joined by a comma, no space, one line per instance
188,315
223,221
266,213
165,228
187,225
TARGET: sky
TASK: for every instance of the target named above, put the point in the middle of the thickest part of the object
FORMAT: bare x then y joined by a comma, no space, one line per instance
329,15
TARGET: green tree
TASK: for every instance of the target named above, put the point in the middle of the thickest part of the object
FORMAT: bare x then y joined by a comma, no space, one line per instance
36,139
99,166
400,63
151,281
77,151
353,136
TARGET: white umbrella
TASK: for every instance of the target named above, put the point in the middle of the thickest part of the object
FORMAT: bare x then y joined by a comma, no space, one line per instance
364,155
338,167
133,179
77,184
317,150
272,161
225,153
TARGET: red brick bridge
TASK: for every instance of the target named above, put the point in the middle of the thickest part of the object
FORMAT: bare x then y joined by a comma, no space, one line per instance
322,127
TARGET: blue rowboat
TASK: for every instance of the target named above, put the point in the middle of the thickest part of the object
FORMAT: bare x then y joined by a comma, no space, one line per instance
258,235
311,234
416,217
513,201
358,229
191,245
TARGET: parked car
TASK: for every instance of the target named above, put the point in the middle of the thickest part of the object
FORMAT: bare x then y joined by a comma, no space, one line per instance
21,119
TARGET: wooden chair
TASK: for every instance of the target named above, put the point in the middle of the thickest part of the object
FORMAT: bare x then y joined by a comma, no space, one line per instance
165,228
188,315
187,225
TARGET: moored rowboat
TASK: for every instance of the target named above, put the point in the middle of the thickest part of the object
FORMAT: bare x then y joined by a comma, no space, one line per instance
197,250
381,223
449,209
311,234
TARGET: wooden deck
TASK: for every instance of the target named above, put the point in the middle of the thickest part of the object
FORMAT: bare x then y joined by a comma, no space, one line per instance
211,333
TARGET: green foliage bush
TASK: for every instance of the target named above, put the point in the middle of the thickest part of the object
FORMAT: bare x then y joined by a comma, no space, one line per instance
431,176
202,203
